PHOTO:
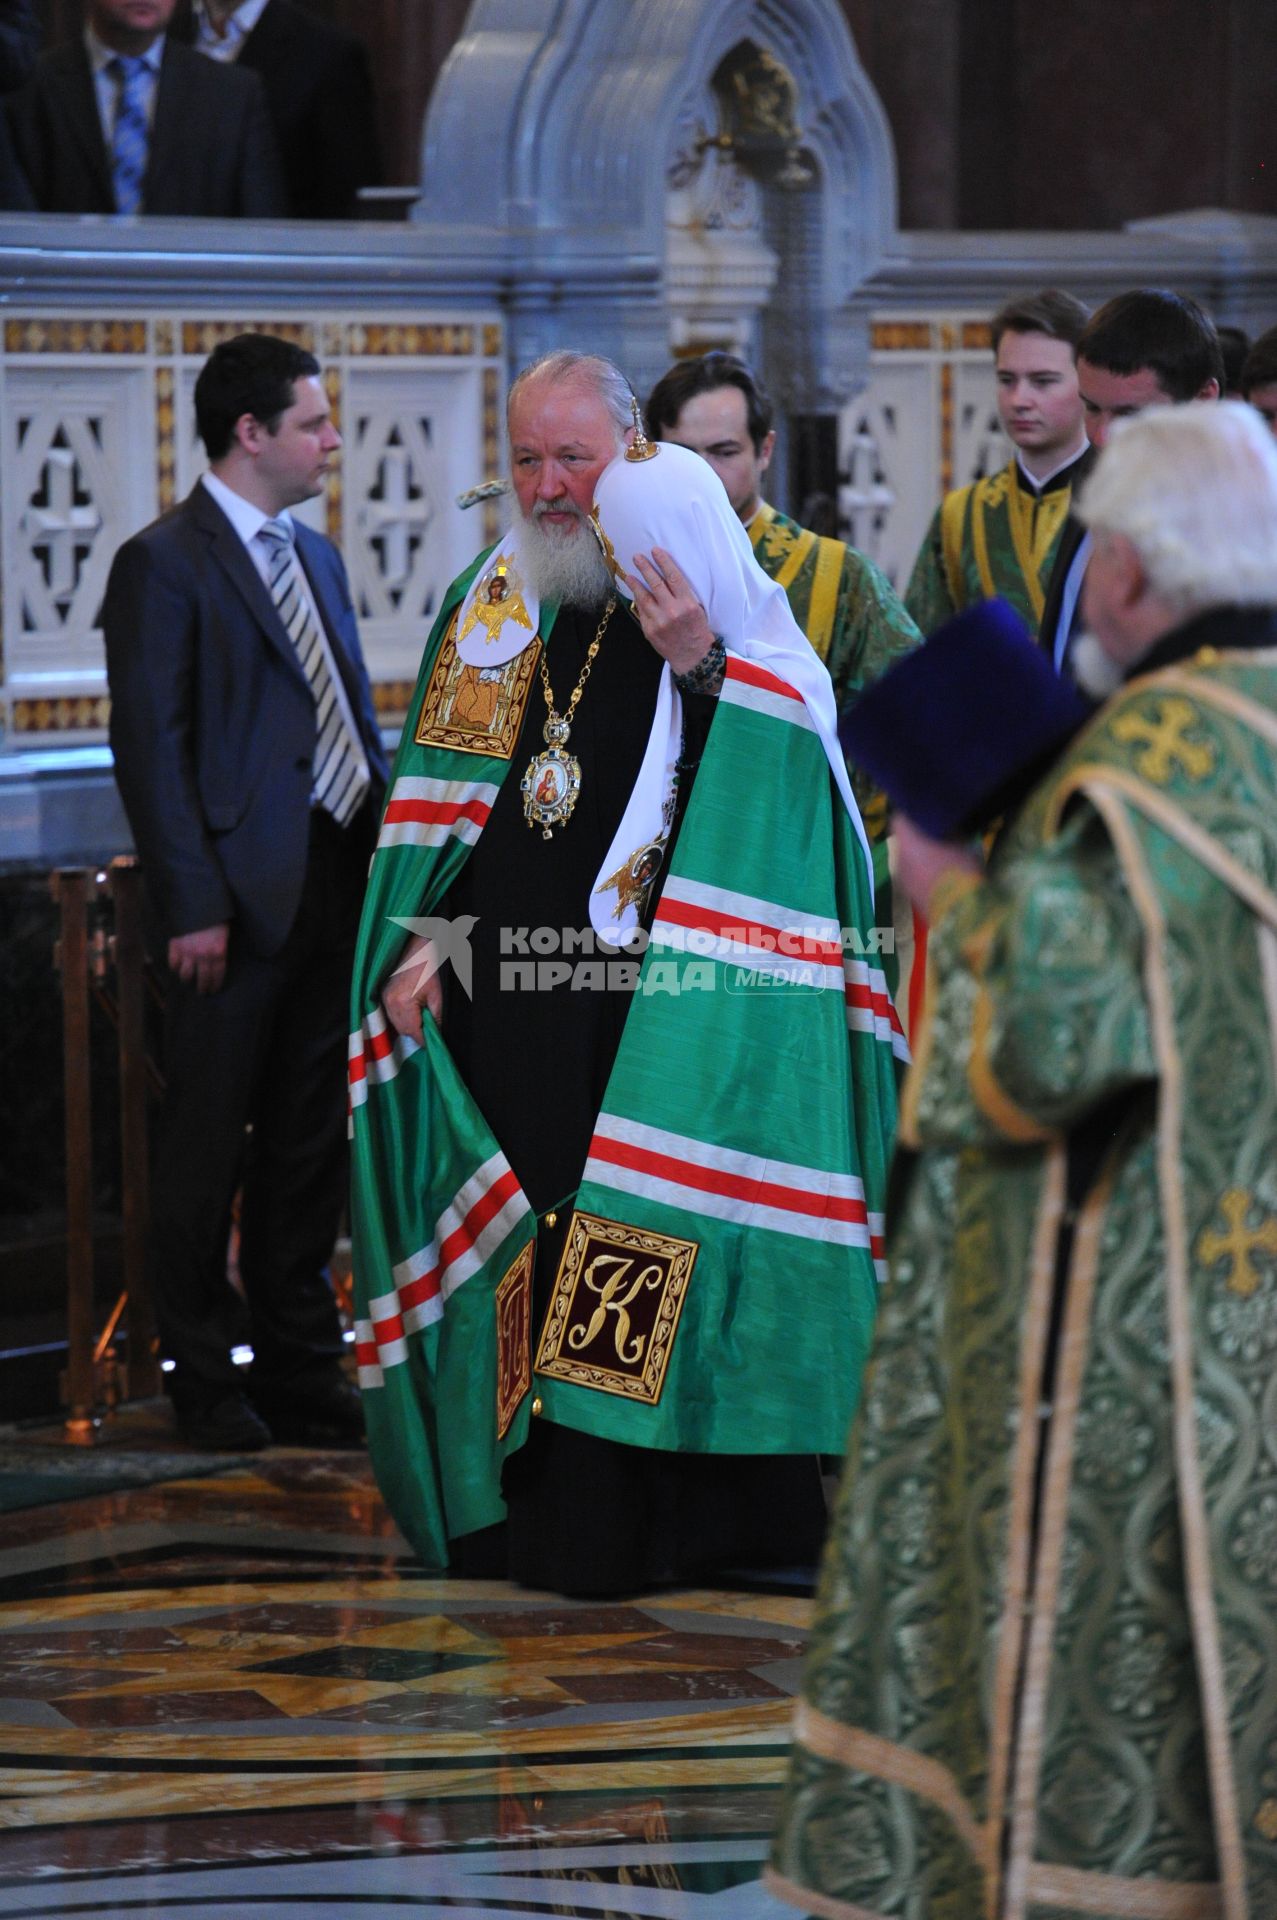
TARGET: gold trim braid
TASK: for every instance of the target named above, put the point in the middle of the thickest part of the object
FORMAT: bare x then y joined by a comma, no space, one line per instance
823,607
1193,1519
917,1773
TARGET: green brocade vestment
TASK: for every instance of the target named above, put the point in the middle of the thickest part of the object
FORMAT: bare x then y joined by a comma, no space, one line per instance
849,611
992,537
1043,1678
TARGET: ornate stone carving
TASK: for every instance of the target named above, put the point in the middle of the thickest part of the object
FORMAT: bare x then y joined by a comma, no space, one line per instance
393,515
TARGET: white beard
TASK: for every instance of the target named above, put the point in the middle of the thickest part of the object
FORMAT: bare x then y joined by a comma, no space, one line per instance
1095,671
565,566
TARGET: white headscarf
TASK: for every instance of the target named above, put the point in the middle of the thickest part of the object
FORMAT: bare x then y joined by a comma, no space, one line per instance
675,500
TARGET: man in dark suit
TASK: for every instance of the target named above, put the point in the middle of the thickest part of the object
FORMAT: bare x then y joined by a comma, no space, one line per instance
250,764
318,88
15,194
1142,349
19,44
123,121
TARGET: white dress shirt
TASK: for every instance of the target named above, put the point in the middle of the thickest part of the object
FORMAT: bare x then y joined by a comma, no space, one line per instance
106,87
248,521
236,29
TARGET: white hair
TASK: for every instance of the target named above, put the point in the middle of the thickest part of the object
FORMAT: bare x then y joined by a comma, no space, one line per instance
566,565
1194,490
583,369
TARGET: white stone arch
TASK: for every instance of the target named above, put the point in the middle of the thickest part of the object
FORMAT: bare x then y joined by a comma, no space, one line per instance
548,142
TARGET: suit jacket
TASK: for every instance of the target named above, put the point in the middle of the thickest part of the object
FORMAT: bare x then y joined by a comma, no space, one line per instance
213,722
319,91
1072,534
15,194
19,43
211,149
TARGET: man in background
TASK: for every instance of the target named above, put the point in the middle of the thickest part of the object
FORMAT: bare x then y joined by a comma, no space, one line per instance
251,768
19,45
1141,349
847,608
1259,377
1234,345
998,535
319,94
123,121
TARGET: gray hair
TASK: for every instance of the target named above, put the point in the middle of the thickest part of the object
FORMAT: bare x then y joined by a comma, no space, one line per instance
584,369
1194,490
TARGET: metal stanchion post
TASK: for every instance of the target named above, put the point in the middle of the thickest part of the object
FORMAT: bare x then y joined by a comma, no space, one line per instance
130,956
70,890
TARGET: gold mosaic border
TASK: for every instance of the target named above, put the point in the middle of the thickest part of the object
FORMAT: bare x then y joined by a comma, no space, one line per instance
392,698
900,336
926,336
451,339
70,715
165,438
201,336
946,429
75,336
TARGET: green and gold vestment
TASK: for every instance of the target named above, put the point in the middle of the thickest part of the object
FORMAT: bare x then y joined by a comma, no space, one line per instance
1043,1679
848,609
996,536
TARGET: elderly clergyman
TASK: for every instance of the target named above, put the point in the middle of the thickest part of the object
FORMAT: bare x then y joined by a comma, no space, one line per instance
1044,1676
617,1195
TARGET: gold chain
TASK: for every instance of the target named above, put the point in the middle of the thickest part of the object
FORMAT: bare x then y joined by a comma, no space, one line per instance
579,688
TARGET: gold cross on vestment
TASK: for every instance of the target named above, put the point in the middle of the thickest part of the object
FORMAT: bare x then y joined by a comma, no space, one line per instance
1239,1242
1165,745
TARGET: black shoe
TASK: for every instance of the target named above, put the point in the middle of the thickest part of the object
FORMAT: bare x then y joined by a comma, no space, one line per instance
317,1413
227,1426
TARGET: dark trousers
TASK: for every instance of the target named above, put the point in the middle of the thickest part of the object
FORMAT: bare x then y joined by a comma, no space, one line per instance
256,1098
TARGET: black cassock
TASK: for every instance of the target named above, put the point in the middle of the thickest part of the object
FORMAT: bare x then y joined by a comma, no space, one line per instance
585,1515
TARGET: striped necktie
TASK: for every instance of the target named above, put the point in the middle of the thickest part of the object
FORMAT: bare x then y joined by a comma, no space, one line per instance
130,136
338,780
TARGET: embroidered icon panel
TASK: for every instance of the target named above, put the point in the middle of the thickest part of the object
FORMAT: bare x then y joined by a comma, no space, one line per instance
476,709
499,598
514,1337
615,1308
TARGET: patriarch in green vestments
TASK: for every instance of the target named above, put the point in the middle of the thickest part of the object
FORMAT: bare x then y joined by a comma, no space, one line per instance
1043,1678
623,1103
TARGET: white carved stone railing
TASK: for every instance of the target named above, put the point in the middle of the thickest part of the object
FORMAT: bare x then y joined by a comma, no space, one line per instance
97,434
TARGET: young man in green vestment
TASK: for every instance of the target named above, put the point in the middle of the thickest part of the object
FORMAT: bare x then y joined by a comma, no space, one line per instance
614,1271
999,534
1043,1676
844,604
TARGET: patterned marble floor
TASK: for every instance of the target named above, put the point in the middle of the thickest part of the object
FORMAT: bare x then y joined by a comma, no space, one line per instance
237,1696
